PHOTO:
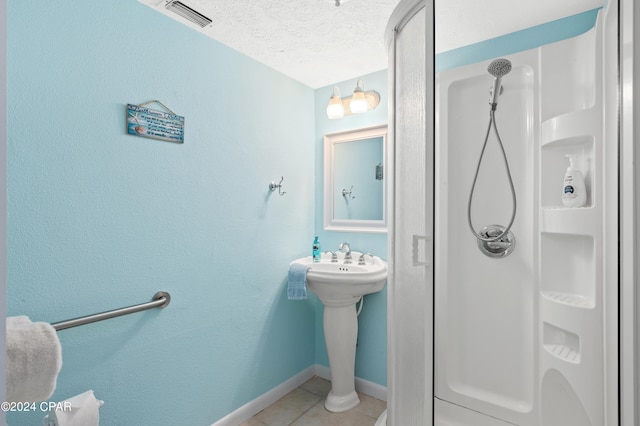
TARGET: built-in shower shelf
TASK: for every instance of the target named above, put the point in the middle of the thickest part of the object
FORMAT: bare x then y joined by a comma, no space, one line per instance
569,299
579,221
565,353
561,343
571,127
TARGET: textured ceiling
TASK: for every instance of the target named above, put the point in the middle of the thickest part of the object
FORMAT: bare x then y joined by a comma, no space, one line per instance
319,44
312,41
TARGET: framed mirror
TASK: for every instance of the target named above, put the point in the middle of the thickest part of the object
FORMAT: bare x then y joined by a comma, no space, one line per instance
355,190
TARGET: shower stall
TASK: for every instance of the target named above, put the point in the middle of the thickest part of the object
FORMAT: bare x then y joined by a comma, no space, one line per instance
526,331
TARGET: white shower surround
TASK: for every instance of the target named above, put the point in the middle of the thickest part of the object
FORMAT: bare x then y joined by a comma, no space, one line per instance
577,124
523,338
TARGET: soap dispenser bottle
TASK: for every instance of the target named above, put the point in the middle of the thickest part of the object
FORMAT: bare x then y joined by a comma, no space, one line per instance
316,249
574,193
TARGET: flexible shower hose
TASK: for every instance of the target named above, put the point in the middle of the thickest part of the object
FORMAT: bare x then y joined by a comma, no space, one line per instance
492,123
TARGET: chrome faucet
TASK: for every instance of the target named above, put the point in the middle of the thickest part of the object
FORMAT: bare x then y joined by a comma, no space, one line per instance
347,252
361,258
334,256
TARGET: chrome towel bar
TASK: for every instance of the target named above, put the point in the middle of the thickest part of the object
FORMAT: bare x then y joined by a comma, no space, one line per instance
160,300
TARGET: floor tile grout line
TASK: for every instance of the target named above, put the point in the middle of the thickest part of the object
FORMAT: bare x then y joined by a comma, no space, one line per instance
308,409
316,392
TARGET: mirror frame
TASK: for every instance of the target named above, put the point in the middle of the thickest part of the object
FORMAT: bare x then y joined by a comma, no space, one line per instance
330,141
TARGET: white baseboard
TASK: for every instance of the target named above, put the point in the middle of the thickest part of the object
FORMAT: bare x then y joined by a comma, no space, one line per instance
252,408
372,389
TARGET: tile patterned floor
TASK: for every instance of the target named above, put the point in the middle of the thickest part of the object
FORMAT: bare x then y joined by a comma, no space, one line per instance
304,406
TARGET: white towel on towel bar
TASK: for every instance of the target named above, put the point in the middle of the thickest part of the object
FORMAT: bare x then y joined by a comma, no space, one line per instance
34,358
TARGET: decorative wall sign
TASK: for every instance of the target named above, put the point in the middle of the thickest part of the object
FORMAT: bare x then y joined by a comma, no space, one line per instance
151,123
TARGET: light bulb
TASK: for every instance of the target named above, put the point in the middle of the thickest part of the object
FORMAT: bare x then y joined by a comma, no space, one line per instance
359,102
335,109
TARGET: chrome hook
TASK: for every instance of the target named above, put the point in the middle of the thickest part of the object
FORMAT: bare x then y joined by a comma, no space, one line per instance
273,186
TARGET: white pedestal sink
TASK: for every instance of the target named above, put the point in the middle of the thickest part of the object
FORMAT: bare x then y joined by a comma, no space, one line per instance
339,286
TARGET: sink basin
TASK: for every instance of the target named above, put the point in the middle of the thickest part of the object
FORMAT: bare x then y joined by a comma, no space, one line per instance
340,283
339,286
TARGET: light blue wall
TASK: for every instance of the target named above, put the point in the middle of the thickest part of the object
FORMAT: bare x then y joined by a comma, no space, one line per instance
100,220
371,354
3,192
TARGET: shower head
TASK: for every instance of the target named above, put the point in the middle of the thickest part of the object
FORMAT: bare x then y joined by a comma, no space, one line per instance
498,68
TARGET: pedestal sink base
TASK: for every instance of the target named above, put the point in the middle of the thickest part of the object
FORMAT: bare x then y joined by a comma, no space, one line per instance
338,404
339,284
341,334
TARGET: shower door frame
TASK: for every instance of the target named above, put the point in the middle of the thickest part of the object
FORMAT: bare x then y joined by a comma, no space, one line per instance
629,209
628,65
403,378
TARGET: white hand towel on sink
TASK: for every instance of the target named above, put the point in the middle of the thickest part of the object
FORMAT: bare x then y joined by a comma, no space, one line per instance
34,358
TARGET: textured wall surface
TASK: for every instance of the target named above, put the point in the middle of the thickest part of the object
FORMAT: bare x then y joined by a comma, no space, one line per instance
3,190
99,219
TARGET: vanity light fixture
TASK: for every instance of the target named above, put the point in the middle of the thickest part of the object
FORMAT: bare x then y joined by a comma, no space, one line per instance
358,103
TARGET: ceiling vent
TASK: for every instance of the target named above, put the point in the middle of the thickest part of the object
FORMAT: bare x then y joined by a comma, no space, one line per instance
188,13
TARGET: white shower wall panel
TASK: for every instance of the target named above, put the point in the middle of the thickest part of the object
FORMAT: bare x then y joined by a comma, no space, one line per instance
521,338
486,331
